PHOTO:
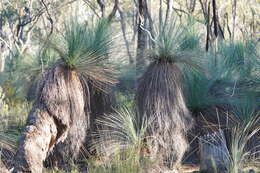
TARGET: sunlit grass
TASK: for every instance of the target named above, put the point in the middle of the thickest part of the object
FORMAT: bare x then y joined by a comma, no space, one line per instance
241,154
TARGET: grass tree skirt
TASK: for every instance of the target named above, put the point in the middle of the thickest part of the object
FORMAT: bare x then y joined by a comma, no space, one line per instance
67,151
160,101
53,120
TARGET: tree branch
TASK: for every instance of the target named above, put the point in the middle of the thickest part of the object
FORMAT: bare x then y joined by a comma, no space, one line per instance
91,6
113,13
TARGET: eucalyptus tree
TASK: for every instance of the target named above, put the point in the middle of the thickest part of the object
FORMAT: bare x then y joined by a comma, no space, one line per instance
60,114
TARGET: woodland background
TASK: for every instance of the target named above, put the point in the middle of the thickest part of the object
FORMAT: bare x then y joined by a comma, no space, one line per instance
223,30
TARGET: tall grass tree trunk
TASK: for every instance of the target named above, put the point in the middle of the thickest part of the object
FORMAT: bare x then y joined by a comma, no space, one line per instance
160,100
59,115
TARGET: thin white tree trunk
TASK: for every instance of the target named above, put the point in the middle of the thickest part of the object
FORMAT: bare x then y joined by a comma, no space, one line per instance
168,12
234,13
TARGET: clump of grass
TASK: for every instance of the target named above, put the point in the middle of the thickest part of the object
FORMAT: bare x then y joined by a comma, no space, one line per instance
119,143
243,155
12,119
13,114
241,152
119,131
119,163
228,79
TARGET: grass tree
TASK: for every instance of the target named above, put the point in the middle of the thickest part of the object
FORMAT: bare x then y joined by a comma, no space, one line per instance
60,114
160,98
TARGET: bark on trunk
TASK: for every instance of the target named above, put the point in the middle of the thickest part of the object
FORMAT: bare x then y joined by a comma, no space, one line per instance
39,137
3,169
142,36
102,6
160,101
59,113
168,12
214,153
160,14
123,28
234,13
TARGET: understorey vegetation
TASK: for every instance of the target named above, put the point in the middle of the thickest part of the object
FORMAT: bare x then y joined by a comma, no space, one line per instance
178,95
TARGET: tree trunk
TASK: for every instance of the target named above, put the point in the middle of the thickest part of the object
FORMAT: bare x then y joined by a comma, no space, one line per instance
142,36
213,153
123,28
215,17
2,46
160,15
168,12
102,6
38,139
59,117
234,11
208,38
3,169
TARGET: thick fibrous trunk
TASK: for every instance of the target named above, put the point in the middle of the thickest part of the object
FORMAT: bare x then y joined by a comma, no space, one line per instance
59,117
160,99
68,150
40,133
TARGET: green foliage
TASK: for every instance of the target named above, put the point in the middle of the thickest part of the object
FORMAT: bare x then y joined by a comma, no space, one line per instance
11,93
24,71
178,44
190,42
229,77
119,143
240,155
120,163
120,130
14,62
82,44
12,114
85,49
168,41
12,118
74,170
245,107
197,90
125,98
191,38
239,59
9,140
127,77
